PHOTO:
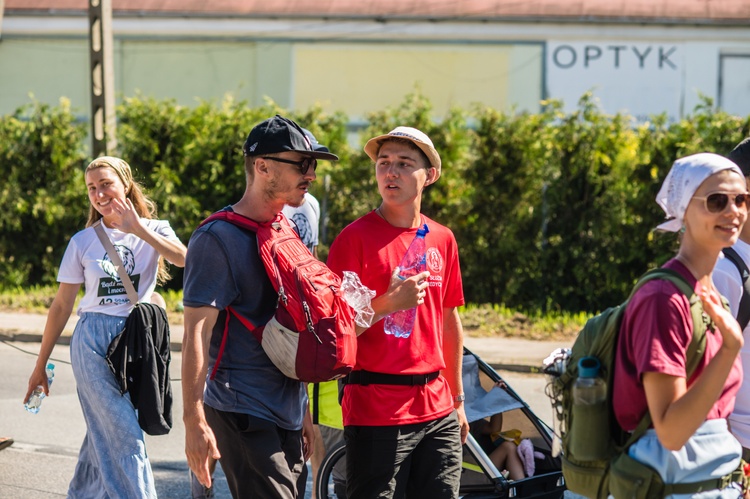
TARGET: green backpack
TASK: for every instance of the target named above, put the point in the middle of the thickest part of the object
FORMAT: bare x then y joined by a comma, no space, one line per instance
595,463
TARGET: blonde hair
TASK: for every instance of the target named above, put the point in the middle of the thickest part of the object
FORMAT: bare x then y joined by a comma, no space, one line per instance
143,205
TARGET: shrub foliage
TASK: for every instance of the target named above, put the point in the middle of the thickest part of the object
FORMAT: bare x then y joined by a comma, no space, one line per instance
552,211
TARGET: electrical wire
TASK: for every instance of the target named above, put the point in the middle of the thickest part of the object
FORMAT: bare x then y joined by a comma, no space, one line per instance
33,353
61,361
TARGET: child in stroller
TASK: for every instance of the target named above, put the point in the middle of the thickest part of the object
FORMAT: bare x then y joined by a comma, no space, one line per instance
491,406
503,447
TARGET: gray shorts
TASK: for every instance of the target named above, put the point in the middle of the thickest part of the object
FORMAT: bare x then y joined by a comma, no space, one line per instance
331,436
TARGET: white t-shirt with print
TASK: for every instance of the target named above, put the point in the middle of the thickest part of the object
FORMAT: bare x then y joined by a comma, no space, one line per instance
728,282
307,218
86,262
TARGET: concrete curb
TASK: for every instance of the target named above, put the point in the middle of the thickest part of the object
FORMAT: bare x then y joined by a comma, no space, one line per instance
508,354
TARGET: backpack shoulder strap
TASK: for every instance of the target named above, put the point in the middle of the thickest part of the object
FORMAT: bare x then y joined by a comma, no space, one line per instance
666,274
252,226
250,327
743,312
233,218
697,347
114,257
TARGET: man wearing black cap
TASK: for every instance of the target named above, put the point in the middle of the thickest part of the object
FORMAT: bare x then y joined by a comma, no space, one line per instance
731,281
249,415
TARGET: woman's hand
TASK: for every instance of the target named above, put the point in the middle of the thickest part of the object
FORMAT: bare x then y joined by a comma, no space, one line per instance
724,320
127,218
38,378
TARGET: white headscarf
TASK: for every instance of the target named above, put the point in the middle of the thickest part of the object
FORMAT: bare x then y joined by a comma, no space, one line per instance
683,179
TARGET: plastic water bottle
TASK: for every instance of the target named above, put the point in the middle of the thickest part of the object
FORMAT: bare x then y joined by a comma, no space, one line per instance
590,414
35,399
589,388
401,323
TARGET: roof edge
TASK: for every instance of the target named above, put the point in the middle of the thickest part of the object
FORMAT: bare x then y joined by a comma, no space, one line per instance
668,21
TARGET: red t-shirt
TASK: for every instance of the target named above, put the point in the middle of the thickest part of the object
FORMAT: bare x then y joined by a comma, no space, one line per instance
654,336
372,248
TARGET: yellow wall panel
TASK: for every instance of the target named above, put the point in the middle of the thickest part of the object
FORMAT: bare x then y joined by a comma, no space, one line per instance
361,78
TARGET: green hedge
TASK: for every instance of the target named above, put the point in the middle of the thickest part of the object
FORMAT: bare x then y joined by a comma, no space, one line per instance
552,210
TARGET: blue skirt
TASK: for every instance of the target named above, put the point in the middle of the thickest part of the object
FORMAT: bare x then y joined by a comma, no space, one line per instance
711,452
112,462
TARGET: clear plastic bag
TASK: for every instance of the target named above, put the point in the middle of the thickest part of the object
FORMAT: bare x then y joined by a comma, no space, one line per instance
359,297
553,366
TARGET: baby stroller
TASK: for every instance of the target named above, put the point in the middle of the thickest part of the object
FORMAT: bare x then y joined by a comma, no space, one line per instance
487,397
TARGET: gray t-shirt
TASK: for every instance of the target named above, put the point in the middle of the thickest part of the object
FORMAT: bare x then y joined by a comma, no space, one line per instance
223,269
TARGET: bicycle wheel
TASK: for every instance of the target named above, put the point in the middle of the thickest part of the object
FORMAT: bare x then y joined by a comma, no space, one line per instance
331,483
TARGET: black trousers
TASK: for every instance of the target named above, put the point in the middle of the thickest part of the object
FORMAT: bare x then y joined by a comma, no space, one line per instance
409,461
259,458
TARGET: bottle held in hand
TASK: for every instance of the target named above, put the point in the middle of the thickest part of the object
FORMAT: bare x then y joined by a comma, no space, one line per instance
35,399
401,323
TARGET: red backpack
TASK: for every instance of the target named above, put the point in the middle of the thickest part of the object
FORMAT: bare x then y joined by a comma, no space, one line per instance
311,336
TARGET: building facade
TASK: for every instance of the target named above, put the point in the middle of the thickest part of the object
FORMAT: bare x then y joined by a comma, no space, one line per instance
637,57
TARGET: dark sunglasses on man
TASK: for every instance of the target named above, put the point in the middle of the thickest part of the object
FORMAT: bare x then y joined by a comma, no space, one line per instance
303,165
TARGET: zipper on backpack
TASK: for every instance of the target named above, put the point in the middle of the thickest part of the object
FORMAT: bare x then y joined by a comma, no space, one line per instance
305,307
282,293
279,280
309,322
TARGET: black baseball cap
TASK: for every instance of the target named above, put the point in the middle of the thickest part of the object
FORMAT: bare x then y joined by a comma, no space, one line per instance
279,134
741,156
317,146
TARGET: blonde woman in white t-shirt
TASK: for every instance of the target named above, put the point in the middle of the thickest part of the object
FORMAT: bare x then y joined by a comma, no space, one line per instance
112,460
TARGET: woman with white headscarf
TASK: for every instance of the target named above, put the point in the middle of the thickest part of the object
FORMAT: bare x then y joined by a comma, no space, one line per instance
705,198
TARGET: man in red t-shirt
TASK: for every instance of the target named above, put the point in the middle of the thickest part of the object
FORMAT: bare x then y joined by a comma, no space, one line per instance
404,421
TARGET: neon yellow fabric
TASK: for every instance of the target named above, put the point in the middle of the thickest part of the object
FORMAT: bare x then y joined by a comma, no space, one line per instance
329,410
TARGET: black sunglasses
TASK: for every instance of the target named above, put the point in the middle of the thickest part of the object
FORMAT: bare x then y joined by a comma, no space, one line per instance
303,165
718,201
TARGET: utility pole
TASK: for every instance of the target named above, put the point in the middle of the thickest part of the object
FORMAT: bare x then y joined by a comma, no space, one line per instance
102,78
2,12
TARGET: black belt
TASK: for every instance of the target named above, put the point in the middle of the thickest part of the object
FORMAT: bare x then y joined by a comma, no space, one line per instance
371,378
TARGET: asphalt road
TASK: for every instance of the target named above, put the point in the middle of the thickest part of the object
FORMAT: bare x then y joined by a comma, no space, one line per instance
42,460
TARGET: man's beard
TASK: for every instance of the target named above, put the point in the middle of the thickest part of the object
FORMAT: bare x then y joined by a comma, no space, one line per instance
275,187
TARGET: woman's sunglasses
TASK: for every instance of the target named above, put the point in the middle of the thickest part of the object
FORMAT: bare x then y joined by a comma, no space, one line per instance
718,201
303,165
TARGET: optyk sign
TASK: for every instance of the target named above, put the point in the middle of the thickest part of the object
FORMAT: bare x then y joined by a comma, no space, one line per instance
638,78
615,56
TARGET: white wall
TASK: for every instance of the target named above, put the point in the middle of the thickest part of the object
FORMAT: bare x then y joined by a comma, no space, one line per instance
189,58
644,77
